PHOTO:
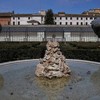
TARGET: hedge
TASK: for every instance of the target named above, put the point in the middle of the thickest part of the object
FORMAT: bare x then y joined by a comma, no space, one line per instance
35,50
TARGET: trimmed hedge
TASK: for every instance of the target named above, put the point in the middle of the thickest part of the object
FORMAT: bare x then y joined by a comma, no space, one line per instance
92,55
11,51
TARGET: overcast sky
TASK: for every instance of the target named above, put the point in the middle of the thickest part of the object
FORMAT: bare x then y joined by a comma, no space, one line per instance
33,6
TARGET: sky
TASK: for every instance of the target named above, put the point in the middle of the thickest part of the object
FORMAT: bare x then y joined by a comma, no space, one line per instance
34,6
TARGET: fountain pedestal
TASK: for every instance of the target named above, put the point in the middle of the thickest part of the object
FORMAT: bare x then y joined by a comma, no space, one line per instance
53,64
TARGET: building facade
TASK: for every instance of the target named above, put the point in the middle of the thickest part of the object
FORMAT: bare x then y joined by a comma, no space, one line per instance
27,19
45,33
95,11
5,18
30,27
61,18
73,19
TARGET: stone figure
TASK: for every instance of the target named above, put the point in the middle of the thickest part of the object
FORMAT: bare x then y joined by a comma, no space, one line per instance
96,26
53,64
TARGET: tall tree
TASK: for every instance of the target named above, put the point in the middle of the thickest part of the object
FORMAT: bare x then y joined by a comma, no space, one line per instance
49,20
0,28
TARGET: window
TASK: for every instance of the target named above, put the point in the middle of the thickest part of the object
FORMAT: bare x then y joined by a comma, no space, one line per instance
70,18
77,23
81,18
60,18
28,17
18,23
60,23
55,23
13,18
86,18
94,17
66,18
8,23
66,23
86,23
13,23
81,23
77,18
18,17
70,23
91,18
55,18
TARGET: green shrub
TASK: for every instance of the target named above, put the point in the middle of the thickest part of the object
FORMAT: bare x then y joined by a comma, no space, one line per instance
10,51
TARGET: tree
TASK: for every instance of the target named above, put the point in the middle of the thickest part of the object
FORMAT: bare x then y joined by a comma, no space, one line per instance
0,28
96,26
49,20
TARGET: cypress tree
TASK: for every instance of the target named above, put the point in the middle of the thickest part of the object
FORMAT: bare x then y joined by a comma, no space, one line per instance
0,28
49,20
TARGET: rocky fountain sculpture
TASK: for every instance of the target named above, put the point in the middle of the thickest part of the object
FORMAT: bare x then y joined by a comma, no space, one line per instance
18,82
53,64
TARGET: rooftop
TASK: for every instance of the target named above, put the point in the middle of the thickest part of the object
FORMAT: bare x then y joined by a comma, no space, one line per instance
6,14
47,28
89,13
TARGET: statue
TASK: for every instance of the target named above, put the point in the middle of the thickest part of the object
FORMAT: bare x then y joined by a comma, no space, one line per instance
53,64
96,26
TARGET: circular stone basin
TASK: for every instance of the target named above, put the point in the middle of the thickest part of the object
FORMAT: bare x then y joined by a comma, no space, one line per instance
18,82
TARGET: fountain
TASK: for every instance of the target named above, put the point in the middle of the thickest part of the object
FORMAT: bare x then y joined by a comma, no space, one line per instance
19,81
53,64
1,81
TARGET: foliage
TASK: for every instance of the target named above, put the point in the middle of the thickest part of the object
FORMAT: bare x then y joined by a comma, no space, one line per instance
0,28
10,51
49,20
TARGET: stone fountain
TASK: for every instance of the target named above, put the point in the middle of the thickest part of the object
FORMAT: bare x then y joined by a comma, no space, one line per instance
53,64
19,82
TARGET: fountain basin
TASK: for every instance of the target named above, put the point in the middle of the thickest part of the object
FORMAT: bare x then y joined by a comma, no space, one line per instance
18,82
